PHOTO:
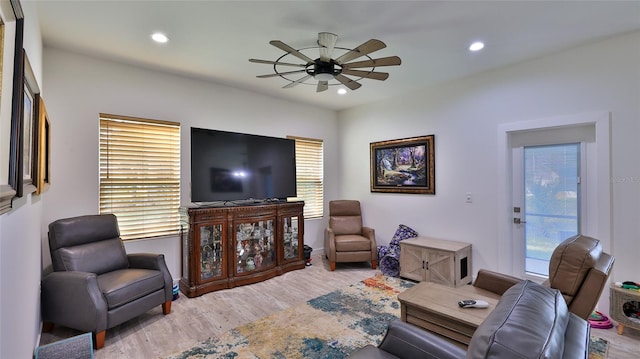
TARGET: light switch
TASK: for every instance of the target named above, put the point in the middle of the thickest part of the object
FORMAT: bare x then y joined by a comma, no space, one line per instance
468,198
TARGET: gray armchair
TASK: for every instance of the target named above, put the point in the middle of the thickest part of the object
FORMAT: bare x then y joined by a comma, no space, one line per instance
95,284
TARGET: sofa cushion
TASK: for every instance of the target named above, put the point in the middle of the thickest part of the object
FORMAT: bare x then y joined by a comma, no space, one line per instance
83,229
126,285
346,225
352,243
345,217
529,321
98,257
570,263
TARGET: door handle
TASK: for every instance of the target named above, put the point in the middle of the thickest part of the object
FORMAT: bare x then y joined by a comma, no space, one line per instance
518,221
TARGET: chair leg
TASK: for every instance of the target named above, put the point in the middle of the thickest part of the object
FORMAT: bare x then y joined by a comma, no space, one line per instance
374,264
333,266
47,327
98,339
166,307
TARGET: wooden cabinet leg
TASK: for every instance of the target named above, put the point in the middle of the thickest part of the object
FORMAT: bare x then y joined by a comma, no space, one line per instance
47,327
98,339
620,328
166,307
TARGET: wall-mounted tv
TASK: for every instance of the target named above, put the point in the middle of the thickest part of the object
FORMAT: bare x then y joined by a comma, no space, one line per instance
230,166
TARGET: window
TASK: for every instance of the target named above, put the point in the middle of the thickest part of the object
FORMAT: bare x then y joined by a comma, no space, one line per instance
140,175
551,201
309,176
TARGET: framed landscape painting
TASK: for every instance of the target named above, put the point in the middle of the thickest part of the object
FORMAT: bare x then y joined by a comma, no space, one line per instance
403,166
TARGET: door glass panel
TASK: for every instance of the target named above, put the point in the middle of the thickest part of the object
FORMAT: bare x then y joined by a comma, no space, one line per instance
551,201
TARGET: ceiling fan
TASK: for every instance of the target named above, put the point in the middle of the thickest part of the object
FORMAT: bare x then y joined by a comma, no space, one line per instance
325,68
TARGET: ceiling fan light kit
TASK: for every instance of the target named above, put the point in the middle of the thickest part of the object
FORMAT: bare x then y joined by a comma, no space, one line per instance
325,68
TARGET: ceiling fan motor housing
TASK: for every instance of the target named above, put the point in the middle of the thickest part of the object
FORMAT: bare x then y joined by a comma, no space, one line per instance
324,70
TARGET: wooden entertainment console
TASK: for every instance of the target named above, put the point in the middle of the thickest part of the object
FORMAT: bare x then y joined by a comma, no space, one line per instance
228,246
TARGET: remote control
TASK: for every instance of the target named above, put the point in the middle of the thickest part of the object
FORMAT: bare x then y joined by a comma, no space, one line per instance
471,303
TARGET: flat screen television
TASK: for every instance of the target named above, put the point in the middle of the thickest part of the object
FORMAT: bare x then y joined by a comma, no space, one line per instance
230,166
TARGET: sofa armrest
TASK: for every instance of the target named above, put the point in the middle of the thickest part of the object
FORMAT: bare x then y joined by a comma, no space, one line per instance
409,341
146,260
74,299
495,282
404,340
576,338
155,262
329,244
371,234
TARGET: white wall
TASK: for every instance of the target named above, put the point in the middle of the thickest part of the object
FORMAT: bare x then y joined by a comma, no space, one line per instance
464,116
80,87
20,229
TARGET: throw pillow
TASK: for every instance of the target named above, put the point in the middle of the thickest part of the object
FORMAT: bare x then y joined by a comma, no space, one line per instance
403,232
389,256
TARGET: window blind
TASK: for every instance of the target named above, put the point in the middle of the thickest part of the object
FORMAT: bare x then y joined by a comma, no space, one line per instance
140,175
310,175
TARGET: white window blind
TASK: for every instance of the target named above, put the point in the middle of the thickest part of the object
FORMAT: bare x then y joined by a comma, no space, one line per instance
140,175
309,175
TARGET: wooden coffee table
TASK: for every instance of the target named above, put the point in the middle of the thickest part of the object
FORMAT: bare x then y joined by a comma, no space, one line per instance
434,307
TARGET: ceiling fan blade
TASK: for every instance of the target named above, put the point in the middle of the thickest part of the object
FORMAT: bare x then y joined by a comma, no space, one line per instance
276,63
284,47
383,61
326,41
294,83
367,74
322,86
280,73
366,48
354,85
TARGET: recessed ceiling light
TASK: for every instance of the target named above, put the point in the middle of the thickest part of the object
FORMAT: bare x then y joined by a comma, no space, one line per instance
476,46
159,37
342,91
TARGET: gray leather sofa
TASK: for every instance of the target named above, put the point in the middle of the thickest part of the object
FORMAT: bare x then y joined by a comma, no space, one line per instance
96,285
529,321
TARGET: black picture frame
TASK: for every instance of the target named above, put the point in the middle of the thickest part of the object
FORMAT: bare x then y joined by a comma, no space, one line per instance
404,165
16,140
30,125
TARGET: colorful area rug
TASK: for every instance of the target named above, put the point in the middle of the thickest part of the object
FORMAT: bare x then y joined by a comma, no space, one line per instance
598,348
330,326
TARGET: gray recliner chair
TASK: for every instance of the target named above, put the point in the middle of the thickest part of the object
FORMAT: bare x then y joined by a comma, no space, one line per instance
96,285
346,239
578,268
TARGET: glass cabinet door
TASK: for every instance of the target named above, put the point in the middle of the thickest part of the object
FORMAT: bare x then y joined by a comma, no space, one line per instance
290,241
255,248
211,252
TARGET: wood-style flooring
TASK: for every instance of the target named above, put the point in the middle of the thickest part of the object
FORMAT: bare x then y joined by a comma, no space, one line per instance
193,320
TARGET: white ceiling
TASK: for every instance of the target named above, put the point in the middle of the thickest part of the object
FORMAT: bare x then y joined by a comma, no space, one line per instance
213,40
